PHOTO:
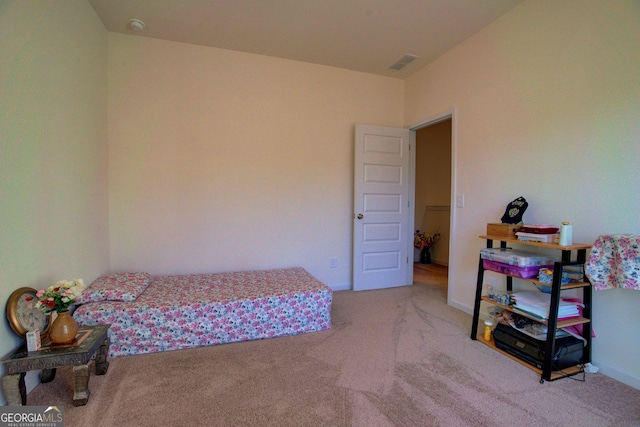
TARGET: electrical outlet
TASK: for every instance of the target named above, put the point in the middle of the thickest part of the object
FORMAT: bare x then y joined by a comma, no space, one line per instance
333,262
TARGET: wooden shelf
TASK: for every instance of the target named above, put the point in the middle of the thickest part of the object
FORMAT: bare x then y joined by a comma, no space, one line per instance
571,370
574,247
553,323
562,323
570,285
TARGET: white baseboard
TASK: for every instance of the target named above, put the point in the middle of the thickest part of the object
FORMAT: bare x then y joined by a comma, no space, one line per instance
614,373
346,287
460,306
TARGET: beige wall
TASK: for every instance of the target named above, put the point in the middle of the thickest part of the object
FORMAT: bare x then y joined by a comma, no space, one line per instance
546,104
222,160
53,209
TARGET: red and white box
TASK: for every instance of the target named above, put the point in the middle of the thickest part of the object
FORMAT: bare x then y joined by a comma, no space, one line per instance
33,340
536,237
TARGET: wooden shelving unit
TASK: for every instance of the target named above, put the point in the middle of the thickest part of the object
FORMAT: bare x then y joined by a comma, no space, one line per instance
546,373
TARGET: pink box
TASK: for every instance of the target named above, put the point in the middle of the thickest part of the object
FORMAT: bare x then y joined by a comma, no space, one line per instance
514,270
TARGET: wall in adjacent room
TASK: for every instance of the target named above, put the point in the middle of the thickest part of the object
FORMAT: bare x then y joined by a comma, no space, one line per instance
223,161
53,162
433,186
546,103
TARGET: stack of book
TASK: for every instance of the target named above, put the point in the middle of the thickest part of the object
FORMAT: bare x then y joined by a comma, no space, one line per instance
546,233
536,305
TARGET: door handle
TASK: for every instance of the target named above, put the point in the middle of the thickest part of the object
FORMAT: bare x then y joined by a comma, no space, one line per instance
360,216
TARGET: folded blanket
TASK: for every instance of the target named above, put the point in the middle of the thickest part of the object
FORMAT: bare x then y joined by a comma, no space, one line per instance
614,262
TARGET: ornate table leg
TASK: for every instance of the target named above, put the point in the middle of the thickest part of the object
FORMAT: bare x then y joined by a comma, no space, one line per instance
14,389
81,384
101,358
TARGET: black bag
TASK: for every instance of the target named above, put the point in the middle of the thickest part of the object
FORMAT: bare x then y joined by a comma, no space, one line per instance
515,210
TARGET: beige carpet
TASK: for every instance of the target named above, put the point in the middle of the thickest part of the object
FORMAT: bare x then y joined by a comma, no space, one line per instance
396,357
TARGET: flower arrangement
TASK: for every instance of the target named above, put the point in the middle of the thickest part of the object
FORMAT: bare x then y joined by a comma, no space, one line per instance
59,297
422,240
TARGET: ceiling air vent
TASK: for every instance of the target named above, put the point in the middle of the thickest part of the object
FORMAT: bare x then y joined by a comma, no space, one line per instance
403,62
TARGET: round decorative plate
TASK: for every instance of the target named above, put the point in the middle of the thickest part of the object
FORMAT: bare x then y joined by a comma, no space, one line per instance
22,314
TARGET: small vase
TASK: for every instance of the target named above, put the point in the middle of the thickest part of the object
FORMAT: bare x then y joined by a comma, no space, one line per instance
425,256
63,329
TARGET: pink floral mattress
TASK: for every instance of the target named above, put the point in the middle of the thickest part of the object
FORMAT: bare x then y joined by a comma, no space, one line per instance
158,313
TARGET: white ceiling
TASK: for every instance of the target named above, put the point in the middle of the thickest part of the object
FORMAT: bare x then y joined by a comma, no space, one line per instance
360,35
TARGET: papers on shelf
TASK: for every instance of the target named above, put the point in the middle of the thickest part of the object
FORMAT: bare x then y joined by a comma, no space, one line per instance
536,305
538,331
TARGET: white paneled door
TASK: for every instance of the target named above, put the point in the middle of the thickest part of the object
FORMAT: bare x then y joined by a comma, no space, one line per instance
381,208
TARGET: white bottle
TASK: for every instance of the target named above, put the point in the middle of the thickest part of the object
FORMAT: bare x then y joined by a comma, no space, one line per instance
566,234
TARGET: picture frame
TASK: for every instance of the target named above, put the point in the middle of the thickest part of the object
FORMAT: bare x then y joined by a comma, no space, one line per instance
22,314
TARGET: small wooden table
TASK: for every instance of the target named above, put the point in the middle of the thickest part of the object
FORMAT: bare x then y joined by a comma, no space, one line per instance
91,341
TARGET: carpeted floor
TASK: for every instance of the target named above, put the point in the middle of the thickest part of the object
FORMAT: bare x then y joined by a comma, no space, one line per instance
394,357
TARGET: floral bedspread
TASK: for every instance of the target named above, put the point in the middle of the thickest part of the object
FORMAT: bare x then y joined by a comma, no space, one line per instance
178,312
614,262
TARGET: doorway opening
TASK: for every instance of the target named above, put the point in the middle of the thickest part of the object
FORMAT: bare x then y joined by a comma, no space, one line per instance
434,276
433,191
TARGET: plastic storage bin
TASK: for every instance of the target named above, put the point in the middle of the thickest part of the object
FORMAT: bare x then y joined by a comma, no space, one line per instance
513,270
545,275
514,257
